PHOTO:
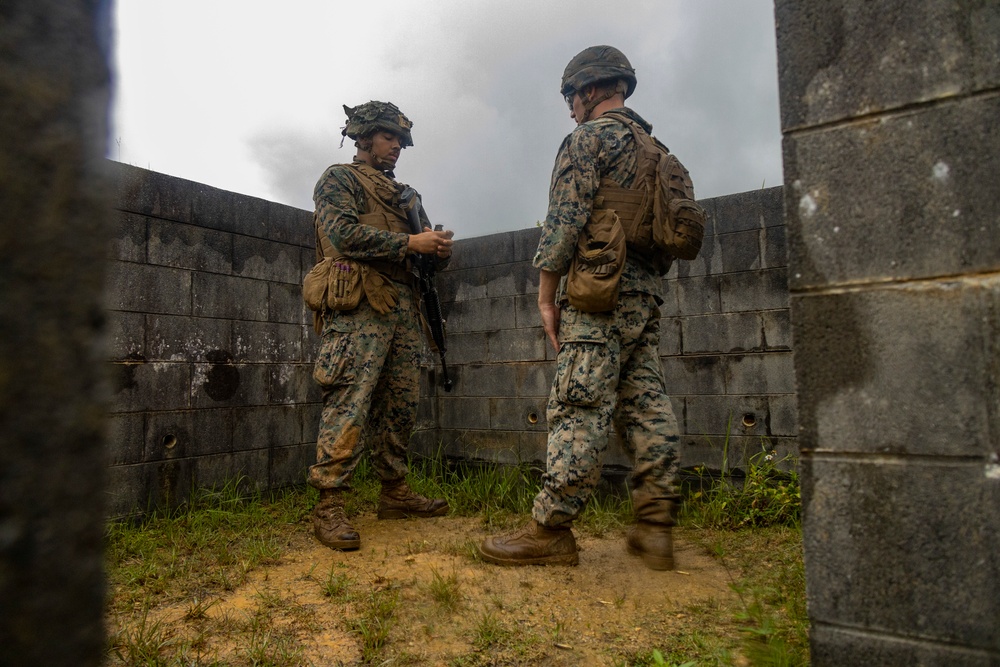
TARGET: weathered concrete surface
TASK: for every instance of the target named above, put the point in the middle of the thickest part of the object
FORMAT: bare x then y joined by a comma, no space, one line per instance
892,209
54,91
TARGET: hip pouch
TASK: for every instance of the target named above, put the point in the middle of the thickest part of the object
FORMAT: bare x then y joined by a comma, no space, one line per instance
596,270
334,284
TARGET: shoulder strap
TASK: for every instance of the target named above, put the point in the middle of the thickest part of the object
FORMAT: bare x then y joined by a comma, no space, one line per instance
366,176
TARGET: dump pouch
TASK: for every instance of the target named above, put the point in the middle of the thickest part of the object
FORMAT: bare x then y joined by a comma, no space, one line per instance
596,269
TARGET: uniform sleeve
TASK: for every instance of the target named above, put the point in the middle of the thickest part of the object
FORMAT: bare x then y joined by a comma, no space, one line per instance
339,200
575,178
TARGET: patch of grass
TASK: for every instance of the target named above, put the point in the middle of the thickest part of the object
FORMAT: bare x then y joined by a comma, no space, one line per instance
337,585
373,624
445,590
141,643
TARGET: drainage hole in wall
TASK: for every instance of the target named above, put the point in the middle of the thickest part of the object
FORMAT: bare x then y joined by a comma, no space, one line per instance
532,417
749,420
169,441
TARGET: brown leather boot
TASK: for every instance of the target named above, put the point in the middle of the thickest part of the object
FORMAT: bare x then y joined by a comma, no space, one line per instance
654,543
534,544
398,501
330,523
650,538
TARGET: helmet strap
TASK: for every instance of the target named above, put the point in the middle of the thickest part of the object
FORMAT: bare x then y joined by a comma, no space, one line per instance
605,93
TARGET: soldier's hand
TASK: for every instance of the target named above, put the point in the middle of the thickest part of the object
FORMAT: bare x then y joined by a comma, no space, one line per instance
550,322
430,242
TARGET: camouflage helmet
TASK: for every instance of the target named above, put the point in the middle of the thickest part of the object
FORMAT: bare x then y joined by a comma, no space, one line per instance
370,117
597,64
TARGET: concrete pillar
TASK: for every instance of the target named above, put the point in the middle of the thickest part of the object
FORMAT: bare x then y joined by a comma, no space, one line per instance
889,112
54,85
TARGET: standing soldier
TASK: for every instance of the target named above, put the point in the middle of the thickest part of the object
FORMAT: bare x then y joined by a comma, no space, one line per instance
599,302
367,312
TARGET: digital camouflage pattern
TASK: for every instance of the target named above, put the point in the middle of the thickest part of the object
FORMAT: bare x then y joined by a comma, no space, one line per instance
367,366
608,373
366,118
608,370
603,147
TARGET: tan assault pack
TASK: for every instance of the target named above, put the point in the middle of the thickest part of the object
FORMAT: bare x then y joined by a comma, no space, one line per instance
658,213
337,282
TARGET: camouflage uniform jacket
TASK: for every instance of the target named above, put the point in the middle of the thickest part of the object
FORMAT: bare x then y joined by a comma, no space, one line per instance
602,147
340,199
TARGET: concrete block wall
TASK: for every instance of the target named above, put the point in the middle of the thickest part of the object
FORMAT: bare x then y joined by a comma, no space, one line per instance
890,157
210,345
725,345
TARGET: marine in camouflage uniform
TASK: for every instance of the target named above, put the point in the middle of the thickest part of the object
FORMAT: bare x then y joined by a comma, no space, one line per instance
608,370
367,366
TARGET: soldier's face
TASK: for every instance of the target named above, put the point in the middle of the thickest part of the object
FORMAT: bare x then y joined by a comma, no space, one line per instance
385,149
576,108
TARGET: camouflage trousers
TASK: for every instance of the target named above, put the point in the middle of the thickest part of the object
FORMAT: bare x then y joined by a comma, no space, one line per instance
607,373
369,372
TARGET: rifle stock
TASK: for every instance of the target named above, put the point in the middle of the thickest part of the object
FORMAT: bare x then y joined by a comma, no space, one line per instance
426,266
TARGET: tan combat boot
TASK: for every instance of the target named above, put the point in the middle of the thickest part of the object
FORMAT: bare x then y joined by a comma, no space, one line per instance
330,523
650,538
534,544
398,501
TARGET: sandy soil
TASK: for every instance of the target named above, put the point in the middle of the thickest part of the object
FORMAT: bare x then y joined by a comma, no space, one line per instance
607,607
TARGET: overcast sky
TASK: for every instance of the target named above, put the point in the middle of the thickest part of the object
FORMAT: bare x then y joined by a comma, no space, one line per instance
247,95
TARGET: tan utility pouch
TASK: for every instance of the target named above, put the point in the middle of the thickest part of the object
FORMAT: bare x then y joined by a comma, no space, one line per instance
596,270
334,283
382,293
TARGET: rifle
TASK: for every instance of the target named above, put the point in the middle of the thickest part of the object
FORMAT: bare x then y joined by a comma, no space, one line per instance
426,268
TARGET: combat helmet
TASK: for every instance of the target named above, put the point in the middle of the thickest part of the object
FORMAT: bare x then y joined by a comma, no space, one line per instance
370,117
597,64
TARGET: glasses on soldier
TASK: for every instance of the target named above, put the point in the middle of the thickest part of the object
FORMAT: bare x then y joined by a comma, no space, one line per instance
569,99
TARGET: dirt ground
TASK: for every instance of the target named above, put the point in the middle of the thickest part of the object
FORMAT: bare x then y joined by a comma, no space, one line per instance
600,612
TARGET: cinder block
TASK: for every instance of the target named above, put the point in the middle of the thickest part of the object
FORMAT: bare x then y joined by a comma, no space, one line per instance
511,279
488,380
855,58
223,383
698,295
129,241
754,290
518,414
908,547
740,251
187,433
832,646
714,415
784,416
905,369
535,380
775,243
228,297
284,304
287,224
289,465
467,348
526,313
464,413
702,374
291,383
229,212
754,209
139,387
259,342
670,336
185,246
668,292
126,334
264,259
777,329
310,414
713,334
147,289
261,427
173,338
516,345
152,194
462,285
124,438
763,374
482,251
525,243
918,204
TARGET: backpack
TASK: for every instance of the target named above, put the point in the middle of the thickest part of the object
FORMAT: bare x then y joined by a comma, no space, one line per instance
658,212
